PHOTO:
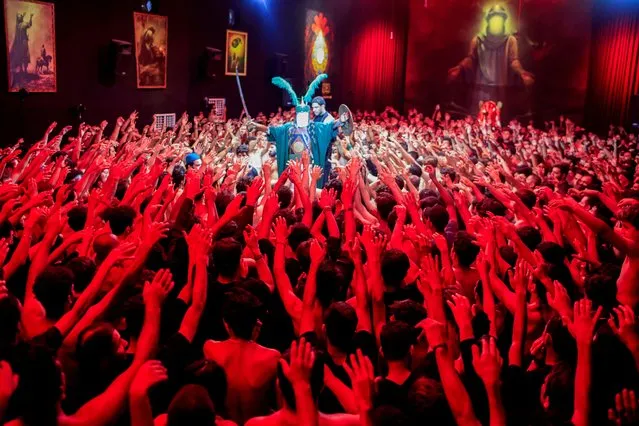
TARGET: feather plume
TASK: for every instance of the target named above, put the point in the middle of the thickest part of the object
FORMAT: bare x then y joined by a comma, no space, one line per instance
285,85
313,87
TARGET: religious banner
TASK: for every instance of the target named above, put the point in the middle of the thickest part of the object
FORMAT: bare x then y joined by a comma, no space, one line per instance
151,49
30,37
236,52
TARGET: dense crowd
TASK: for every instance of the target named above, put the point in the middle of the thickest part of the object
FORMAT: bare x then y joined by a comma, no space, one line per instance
449,272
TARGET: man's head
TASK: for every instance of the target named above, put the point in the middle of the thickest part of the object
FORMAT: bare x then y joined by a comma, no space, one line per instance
629,222
496,20
340,322
395,265
465,249
53,288
397,339
193,161
240,313
318,105
120,219
227,254
192,405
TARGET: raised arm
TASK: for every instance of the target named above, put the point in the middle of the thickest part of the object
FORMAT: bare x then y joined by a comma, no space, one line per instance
104,408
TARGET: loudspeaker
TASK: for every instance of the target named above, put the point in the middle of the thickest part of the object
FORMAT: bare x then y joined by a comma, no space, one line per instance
120,56
211,63
278,66
633,111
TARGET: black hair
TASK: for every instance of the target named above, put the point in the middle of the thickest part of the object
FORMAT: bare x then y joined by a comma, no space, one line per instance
298,234
240,312
52,288
83,269
120,218
552,253
10,320
222,200
134,315
465,249
226,256
341,322
396,339
192,405
178,175
385,205
560,390
330,281
527,197
408,311
395,266
284,196
438,216
77,218
530,236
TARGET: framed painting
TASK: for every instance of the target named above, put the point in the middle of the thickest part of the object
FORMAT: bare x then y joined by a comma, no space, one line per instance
30,36
151,49
236,52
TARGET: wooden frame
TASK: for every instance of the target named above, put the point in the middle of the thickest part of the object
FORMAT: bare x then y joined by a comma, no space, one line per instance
44,78
242,49
152,73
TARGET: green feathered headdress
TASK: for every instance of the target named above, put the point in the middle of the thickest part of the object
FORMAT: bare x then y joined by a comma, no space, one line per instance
308,97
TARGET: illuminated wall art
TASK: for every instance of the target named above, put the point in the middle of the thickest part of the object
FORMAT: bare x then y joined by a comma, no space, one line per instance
319,42
30,37
236,52
151,47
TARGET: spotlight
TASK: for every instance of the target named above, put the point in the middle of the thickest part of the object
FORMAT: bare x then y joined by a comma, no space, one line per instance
146,6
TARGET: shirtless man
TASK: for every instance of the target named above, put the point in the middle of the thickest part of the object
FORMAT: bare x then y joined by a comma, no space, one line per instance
296,409
250,368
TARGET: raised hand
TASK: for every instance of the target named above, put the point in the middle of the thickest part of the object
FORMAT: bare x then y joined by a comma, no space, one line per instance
8,382
583,323
362,376
156,232
373,244
155,292
254,191
348,192
151,373
302,358
317,252
624,326
281,231
327,199
488,363
316,173
199,241
460,307
435,332
559,300
625,410
250,238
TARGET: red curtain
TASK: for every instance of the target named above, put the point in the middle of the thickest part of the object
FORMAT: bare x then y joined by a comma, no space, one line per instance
374,57
614,73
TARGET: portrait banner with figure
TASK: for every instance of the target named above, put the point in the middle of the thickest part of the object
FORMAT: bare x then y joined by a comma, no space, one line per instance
30,37
236,52
151,49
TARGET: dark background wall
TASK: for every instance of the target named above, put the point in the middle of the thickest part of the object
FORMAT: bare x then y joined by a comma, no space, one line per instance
84,30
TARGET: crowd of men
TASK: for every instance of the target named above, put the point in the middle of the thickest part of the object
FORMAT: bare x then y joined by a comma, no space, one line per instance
448,272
